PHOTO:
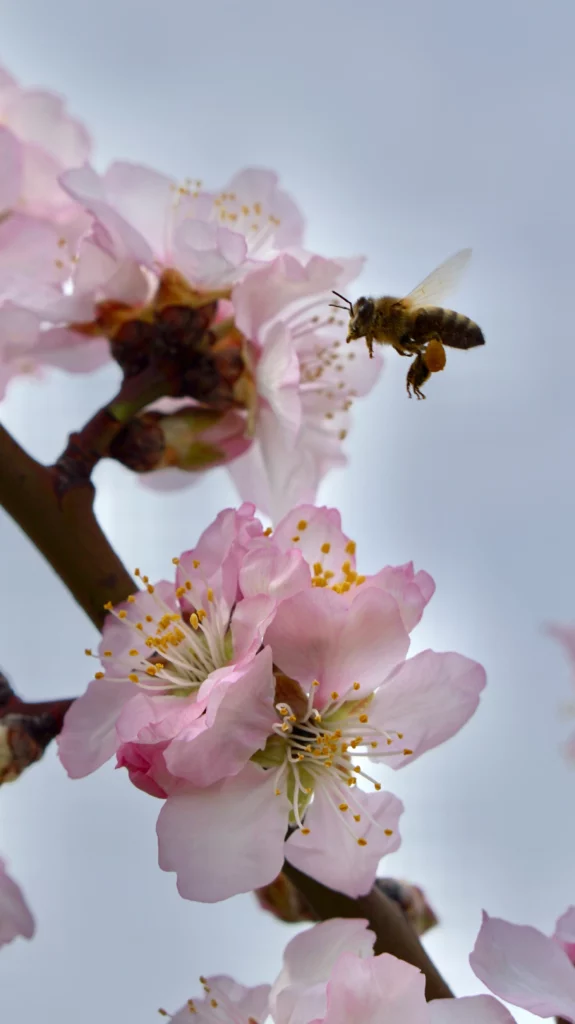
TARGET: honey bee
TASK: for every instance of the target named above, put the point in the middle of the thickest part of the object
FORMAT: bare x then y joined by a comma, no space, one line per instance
416,325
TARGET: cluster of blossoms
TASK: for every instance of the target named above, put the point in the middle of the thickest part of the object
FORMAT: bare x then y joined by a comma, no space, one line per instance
214,286
330,976
255,695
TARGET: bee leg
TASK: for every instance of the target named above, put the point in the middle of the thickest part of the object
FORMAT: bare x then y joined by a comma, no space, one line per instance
417,375
369,339
406,346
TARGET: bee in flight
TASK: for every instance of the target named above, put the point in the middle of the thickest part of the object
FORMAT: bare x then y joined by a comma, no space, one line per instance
416,325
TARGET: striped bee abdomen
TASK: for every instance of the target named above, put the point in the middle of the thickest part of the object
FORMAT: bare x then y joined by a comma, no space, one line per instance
453,328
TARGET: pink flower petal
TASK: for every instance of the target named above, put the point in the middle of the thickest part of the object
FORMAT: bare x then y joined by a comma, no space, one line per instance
11,170
278,377
15,916
314,635
299,993
331,853
144,198
412,591
316,528
255,185
270,572
427,699
381,988
226,839
468,1010
238,720
269,290
88,738
564,933
524,967
40,117
88,188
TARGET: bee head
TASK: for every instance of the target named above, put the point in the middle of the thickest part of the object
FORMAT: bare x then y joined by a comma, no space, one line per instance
360,318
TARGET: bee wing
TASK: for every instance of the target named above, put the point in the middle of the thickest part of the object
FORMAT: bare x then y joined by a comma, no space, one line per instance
441,281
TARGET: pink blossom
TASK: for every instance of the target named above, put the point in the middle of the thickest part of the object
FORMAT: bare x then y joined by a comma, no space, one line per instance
330,976
306,380
146,219
290,675
15,917
168,641
523,966
38,141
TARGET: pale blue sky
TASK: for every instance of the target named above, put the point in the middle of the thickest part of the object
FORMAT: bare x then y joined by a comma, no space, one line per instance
405,130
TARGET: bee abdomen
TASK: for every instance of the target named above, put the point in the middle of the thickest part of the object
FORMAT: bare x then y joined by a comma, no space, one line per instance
453,328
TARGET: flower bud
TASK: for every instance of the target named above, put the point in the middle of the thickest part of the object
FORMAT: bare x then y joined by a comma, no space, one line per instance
194,438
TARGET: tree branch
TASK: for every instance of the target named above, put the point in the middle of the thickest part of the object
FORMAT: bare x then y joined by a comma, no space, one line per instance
25,729
64,529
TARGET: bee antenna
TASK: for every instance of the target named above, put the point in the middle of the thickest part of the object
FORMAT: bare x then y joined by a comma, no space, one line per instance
348,305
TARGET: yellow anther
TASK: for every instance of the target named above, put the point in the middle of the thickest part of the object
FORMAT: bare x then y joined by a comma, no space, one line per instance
108,606
389,741
175,561
328,574
302,525
145,579
359,581
98,675
278,792
133,653
315,682
295,539
107,654
363,719
149,618
362,842
317,569
194,621
338,588
400,735
202,614
180,591
357,768
345,587
351,577
388,831
88,651
377,786
214,1003
257,209
163,1013
150,588
188,585
122,614
373,744
210,594
326,548
346,567
344,807
350,547
139,625
284,727
133,677
136,572
151,670
357,817
196,563
334,695
304,831
268,531
407,751
131,599
356,686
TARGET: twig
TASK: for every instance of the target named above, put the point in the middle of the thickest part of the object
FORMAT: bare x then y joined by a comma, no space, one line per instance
25,729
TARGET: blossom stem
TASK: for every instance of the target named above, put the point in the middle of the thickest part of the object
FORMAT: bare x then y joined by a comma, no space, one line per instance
64,528
394,934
